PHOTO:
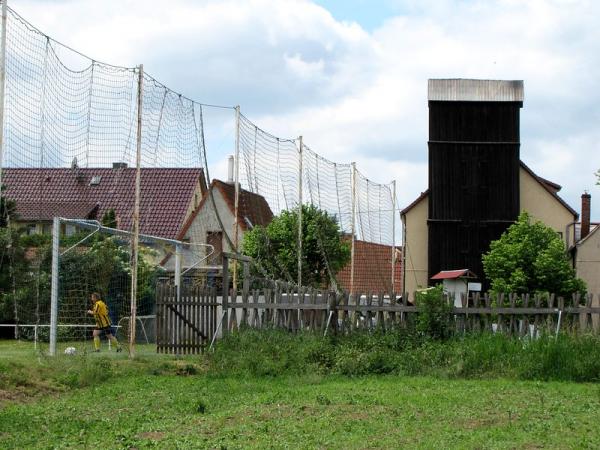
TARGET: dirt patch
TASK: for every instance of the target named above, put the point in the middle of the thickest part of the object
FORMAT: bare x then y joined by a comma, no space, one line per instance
12,396
152,435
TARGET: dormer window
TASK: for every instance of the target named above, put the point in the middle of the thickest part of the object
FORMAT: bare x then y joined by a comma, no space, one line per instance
95,181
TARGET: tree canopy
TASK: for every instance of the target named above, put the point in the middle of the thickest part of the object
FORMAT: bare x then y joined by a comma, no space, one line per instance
276,246
530,257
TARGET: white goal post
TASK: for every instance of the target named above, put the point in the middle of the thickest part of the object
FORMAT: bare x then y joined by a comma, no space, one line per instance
181,250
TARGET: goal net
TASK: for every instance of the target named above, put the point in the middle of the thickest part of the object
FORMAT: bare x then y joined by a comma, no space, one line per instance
97,259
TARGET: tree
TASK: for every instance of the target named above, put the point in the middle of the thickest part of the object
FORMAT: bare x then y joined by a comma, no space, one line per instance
109,219
7,209
276,246
530,257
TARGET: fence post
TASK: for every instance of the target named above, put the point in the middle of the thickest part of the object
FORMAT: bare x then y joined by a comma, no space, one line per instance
136,216
300,201
178,270
353,227
2,86
224,306
237,193
54,286
394,236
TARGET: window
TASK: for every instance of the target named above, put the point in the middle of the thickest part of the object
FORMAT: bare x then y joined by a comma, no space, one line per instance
95,181
31,229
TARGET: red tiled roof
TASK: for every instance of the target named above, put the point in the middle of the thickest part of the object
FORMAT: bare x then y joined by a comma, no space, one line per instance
166,195
453,274
372,269
253,209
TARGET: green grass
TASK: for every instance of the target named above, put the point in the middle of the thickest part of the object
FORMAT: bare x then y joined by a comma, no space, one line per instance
107,401
402,352
161,411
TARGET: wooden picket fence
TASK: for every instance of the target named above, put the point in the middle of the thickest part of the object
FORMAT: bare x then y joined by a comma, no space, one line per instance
284,306
185,323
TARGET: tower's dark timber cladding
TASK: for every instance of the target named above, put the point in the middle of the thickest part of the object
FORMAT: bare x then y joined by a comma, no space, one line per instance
473,168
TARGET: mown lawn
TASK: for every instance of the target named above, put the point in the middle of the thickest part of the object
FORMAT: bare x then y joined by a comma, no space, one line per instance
166,403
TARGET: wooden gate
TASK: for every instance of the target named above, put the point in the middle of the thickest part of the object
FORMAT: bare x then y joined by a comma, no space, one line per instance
185,325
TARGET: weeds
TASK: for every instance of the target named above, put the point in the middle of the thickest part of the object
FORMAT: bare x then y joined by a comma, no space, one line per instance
401,352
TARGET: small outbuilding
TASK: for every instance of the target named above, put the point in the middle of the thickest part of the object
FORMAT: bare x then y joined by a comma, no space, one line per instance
456,282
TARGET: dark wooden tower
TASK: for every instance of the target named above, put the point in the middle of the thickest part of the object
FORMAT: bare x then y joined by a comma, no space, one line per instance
473,168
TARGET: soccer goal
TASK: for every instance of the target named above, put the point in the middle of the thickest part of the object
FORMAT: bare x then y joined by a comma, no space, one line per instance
88,258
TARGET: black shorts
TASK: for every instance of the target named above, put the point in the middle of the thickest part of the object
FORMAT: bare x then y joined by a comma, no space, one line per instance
106,330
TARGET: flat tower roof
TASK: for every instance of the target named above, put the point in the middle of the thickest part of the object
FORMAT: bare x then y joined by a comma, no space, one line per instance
468,90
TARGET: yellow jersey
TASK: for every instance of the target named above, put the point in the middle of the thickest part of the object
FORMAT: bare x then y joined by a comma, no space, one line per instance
100,312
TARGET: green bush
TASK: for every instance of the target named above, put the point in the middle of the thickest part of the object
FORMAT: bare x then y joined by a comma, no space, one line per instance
434,317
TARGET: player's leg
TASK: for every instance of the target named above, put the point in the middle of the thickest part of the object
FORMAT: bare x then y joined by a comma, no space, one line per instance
114,341
96,334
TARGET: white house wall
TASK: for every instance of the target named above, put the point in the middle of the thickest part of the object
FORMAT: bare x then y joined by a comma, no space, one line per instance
206,221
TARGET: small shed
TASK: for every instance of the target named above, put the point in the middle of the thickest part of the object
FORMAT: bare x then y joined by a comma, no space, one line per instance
455,282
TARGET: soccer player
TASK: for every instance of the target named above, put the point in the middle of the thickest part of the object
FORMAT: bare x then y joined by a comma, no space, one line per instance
100,312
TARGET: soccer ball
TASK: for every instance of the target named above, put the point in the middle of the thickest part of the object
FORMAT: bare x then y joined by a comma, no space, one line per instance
70,351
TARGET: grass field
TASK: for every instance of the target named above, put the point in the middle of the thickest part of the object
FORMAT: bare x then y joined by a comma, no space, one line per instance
107,401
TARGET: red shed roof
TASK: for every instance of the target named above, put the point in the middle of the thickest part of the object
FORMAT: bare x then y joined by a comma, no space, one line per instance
87,193
453,274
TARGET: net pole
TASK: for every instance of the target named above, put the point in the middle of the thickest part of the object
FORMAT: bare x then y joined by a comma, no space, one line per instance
2,86
353,227
178,270
300,213
237,195
393,236
54,285
136,216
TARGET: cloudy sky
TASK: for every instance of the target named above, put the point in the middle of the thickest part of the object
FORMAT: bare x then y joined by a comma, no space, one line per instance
350,76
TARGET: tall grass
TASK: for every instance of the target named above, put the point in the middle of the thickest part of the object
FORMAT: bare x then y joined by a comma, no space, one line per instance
274,352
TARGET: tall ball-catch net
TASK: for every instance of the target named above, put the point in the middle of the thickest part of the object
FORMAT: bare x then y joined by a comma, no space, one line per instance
110,146
74,139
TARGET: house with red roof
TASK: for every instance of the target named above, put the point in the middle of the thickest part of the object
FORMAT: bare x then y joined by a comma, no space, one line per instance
168,198
372,269
213,221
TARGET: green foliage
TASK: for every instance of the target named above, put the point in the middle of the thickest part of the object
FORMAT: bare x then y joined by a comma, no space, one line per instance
276,246
8,209
434,319
17,279
530,257
277,353
109,219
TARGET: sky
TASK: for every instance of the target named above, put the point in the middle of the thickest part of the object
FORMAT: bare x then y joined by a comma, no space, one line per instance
351,76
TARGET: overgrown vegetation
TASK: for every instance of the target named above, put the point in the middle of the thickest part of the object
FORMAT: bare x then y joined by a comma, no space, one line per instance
276,246
530,257
402,352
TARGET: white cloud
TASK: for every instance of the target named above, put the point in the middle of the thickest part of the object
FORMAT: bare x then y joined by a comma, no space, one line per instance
359,96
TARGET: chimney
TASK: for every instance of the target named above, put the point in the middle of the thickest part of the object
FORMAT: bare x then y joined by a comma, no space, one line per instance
119,165
586,200
230,165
